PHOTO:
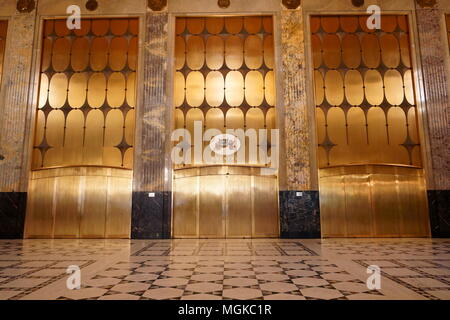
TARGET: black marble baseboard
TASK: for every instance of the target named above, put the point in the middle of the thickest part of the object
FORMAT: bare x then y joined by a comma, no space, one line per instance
439,209
150,217
299,216
12,214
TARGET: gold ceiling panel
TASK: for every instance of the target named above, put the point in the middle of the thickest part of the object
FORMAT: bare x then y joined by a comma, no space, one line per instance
87,88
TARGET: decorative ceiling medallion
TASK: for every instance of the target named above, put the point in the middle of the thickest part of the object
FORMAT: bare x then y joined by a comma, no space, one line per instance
157,5
223,3
291,4
92,5
426,3
25,6
358,3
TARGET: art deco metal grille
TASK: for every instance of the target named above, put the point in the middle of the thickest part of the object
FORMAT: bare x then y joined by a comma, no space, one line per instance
224,74
364,92
3,30
87,94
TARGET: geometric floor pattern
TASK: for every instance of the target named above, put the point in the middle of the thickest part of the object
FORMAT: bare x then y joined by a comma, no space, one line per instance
215,269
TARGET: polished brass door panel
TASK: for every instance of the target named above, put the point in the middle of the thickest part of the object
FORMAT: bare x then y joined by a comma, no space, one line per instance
224,201
373,201
79,202
211,207
94,211
265,202
185,205
239,206
67,218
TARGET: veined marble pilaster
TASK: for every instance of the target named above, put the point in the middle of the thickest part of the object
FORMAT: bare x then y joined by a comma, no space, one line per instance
435,77
151,215
15,107
297,137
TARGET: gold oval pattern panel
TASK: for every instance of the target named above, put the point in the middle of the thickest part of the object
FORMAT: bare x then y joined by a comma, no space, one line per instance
351,51
214,89
234,52
77,90
334,88
96,90
254,88
393,82
180,48
331,51
179,92
370,50
57,97
269,87
195,92
370,126
214,52
373,87
253,52
195,57
105,45
390,50
234,88
116,89
354,87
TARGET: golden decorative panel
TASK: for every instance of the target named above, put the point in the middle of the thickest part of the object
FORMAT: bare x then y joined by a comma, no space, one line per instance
79,202
364,93
373,201
224,74
225,202
3,31
87,94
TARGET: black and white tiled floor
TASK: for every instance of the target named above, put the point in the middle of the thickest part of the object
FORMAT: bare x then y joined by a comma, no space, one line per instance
260,269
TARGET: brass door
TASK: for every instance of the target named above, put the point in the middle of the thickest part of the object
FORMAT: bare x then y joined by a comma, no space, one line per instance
225,202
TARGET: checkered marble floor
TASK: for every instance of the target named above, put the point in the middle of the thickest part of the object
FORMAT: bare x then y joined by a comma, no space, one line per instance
258,269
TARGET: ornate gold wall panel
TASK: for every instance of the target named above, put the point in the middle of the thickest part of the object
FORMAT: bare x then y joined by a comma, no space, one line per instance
371,180
373,201
225,202
225,74
364,93
79,202
81,181
3,31
87,94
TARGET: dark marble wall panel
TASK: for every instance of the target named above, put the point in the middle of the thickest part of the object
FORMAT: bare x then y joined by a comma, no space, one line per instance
12,214
299,216
439,207
151,216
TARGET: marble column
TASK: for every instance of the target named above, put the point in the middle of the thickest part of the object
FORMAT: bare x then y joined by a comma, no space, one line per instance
15,110
299,202
433,51
151,200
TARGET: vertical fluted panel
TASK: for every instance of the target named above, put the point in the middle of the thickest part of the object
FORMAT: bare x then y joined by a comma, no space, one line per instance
433,50
297,137
150,152
14,103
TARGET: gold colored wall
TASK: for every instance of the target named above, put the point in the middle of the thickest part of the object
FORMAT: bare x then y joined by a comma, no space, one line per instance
225,75
369,155
81,183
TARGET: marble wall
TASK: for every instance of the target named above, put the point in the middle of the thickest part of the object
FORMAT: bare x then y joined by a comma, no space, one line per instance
15,119
434,56
150,215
